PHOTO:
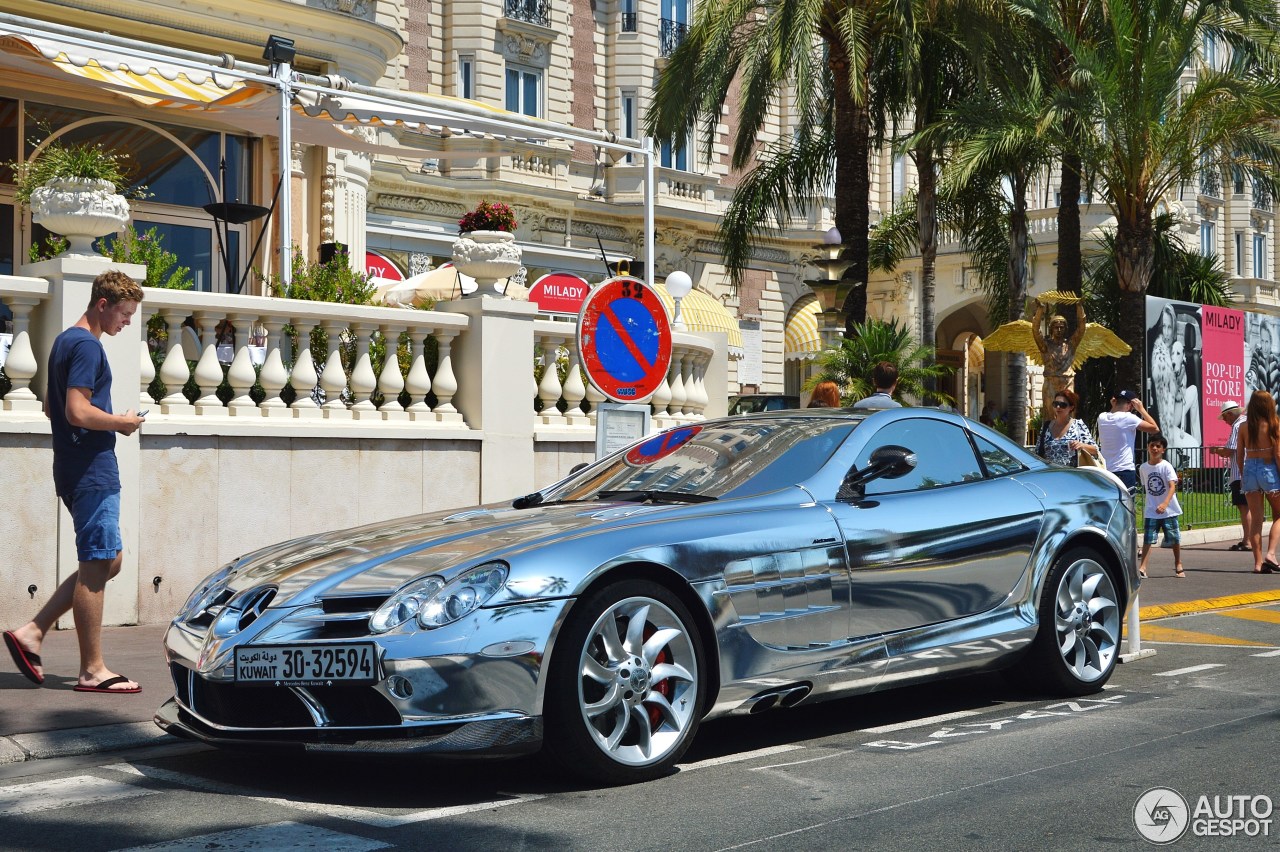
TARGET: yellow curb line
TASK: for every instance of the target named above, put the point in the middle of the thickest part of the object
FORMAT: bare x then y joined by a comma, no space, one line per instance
1149,613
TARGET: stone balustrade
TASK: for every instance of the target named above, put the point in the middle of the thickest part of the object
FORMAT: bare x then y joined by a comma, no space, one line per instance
680,398
262,353
260,349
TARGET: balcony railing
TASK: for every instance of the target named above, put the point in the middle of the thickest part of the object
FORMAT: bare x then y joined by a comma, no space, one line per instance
530,11
670,36
1261,197
628,22
1211,183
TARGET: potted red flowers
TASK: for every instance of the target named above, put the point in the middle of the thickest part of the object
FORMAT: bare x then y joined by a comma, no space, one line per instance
486,249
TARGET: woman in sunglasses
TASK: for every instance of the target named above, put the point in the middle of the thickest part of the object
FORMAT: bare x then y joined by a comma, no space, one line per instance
1065,438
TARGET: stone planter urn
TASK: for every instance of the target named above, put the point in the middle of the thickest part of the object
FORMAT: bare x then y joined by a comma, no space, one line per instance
80,209
488,257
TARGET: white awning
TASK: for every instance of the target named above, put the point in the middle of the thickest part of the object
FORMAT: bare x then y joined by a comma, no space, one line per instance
150,82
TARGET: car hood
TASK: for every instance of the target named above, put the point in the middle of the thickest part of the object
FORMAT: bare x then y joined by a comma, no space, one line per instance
381,557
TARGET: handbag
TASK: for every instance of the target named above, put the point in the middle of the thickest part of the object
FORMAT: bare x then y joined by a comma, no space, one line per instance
1084,458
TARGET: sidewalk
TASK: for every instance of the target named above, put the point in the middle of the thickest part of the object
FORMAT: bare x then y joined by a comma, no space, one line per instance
52,721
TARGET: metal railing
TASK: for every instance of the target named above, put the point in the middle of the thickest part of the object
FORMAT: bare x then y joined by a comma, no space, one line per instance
629,22
670,36
1210,183
530,11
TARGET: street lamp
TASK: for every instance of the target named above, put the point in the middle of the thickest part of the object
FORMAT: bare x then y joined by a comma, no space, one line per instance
679,284
830,290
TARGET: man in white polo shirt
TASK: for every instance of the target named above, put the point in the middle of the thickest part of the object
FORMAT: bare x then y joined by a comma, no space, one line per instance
1233,416
1117,430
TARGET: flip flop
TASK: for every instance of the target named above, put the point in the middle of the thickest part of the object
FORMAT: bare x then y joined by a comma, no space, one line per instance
1239,546
105,686
1142,574
24,659
1179,573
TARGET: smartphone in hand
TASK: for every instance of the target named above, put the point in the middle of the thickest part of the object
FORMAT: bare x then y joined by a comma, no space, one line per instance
144,413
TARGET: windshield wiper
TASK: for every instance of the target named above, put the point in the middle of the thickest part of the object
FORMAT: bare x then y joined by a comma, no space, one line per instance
652,496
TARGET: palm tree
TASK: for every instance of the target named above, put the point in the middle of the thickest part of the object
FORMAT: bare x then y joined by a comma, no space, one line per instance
815,58
996,144
868,344
1144,128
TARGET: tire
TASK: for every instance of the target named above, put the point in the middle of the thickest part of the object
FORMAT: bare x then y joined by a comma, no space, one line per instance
625,688
1077,645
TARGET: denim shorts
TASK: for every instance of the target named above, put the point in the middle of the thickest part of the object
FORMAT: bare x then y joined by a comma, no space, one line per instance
96,515
1151,528
1128,477
1260,475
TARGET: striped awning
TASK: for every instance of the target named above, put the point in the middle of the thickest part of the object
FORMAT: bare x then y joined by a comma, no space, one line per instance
703,312
148,82
801,340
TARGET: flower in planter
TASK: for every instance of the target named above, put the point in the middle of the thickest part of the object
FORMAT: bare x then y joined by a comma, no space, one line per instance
85,160
488,217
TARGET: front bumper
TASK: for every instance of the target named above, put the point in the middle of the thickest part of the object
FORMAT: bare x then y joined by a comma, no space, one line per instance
470,688
495,737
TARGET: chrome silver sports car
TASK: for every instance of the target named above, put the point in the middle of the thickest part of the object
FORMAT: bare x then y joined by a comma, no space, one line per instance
732,566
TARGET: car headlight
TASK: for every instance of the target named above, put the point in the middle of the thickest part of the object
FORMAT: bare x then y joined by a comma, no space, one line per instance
208,591
437,603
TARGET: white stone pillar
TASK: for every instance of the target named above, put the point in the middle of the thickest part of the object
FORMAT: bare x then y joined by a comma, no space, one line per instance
492,360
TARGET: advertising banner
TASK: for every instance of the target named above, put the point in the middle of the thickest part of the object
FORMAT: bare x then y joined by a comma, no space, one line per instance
1199,357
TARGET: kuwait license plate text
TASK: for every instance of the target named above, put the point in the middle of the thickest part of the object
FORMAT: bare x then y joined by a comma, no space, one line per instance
306,665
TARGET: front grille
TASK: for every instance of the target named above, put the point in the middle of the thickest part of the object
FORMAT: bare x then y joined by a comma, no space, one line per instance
352,603
236,706
248,706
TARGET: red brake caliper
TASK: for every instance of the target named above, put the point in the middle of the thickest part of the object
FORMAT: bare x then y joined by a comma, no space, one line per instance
666,688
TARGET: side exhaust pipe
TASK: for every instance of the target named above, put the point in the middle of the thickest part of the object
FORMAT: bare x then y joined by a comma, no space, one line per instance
785,696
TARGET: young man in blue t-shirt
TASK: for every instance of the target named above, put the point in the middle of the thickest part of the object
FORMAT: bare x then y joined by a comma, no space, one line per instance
87,478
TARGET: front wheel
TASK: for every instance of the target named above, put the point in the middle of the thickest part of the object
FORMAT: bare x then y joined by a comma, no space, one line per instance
1076,647
625,684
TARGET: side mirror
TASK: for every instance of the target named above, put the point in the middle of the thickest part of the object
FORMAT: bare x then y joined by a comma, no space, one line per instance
887,462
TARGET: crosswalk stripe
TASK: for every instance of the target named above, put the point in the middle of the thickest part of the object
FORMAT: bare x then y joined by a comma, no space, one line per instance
278,837
1157,633
1270,616
64,793
1189,670
361,815
737,758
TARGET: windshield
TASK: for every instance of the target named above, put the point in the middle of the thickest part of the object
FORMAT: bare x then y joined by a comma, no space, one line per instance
713,461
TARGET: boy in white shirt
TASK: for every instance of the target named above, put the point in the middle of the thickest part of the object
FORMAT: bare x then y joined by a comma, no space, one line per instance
1160,482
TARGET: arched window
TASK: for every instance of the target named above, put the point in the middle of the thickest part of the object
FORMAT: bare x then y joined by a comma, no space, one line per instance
180,167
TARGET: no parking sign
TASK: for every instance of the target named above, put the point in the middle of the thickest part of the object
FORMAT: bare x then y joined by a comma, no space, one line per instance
625,339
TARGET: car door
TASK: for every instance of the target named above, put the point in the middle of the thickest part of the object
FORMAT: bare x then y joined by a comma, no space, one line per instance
948,539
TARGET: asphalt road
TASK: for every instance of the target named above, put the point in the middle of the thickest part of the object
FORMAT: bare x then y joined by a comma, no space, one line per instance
969,764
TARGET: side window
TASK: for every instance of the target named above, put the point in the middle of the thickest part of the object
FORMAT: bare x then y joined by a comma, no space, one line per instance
944,455
998,462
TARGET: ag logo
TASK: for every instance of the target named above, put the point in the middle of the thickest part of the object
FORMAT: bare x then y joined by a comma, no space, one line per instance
1161,815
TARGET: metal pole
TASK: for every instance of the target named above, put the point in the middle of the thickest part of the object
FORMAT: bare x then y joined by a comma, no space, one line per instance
284,79
649,194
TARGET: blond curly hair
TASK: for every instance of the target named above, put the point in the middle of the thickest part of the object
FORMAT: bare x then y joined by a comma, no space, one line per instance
116,287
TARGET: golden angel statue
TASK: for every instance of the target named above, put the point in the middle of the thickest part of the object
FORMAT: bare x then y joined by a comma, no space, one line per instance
1059,354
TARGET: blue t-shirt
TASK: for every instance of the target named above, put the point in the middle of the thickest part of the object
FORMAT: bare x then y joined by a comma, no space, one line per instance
82,458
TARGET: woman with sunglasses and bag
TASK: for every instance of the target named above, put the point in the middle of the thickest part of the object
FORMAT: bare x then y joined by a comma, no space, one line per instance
1065,439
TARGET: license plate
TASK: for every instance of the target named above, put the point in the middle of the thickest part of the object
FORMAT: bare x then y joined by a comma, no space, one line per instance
306,665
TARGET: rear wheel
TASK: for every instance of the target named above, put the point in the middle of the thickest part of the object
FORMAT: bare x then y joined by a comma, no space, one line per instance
625,684
1076,648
